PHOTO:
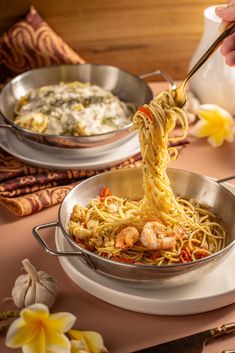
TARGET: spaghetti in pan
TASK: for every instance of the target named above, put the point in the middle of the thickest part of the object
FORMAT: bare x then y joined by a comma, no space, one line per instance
160,228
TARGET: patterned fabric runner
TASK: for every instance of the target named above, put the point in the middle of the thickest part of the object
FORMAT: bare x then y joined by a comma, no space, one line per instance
26,189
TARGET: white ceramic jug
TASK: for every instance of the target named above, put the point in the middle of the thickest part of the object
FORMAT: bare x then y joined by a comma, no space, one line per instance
214,82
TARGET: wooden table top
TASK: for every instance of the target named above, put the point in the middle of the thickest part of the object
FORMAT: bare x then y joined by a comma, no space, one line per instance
123,330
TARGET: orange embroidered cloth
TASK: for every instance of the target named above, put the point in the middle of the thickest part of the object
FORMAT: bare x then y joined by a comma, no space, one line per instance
26,189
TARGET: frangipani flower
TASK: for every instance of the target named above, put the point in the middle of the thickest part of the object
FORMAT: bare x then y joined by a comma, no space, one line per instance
86,342
38,331
215,123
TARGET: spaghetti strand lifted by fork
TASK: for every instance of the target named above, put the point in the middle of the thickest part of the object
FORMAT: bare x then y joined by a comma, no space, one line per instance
160,228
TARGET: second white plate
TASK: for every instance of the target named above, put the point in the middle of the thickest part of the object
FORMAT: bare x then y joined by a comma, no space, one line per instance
55,159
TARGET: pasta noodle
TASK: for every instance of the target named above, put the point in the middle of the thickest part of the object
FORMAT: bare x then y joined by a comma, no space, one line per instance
158,229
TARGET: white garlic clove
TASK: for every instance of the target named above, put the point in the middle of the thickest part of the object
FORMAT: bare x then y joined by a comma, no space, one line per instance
19,290
43,295
48,281
30,295
51,287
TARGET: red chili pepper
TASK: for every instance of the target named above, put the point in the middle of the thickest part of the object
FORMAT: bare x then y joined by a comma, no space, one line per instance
201,254
185,255
104,193
146,112
187,249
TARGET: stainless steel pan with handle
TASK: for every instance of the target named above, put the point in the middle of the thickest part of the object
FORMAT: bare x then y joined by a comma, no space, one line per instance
128,182
126,86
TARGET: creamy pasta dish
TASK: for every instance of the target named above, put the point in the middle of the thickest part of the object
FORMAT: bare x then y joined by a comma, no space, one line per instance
72,109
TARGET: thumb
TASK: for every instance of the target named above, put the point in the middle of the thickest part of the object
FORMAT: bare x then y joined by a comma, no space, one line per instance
227,13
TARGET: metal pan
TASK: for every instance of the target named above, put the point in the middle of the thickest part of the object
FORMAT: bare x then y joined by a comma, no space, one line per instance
126,86
128,182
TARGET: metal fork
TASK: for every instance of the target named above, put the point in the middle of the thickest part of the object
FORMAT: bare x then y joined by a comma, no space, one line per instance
229,351
179,92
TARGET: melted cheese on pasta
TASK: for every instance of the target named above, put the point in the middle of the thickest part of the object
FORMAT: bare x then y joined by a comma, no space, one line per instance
75,109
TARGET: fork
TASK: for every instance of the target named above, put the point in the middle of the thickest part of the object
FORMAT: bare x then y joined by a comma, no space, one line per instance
229,351
178,93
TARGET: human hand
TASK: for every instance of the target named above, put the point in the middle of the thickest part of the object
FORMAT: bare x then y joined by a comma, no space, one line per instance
227,14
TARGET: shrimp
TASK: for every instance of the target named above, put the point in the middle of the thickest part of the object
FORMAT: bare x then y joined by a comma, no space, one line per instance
96,240
81,233
127,238
154,236
79,214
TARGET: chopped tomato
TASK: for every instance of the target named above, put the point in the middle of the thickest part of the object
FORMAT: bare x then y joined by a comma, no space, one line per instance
201,254
123,259
104,192
188,251
185,255
146,112
155,255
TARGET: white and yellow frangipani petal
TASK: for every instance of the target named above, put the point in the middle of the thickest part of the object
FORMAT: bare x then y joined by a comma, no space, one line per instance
62,321
78,347
38,331
57,342
34,312
88,341
215,123
19,334
38,344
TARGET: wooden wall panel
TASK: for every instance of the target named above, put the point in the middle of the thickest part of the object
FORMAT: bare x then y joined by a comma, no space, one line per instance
138,36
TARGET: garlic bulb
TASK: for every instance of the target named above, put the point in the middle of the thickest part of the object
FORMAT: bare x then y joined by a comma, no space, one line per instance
34,287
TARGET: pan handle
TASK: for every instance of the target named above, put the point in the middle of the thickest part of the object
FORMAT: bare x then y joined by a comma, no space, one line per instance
12,129
7,126
36,234
44,244
161,73
219,181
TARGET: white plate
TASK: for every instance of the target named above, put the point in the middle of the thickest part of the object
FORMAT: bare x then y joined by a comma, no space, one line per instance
78,153
32,154
213,291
